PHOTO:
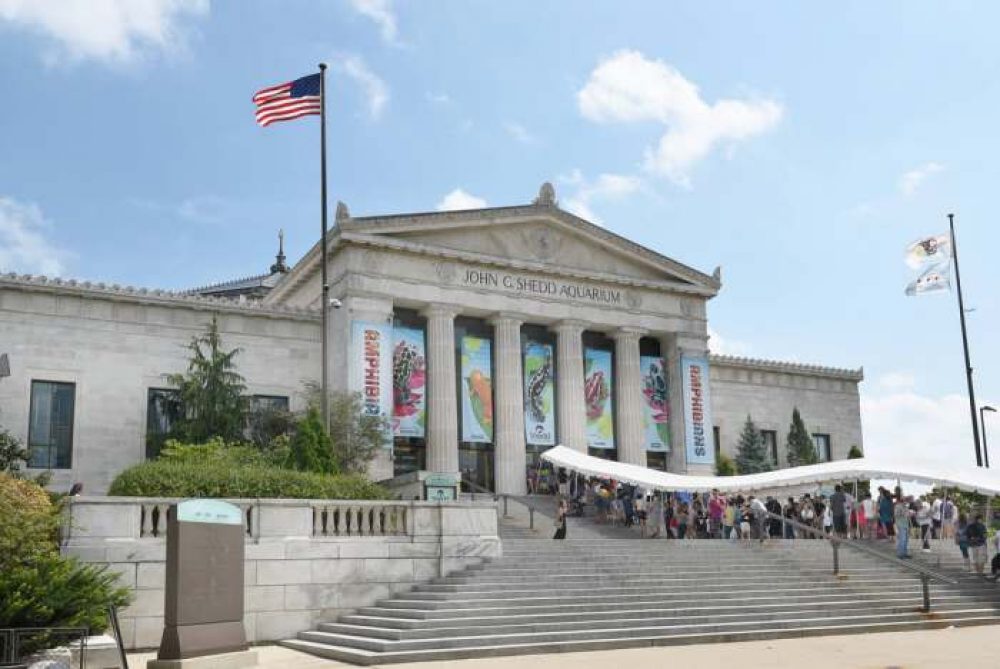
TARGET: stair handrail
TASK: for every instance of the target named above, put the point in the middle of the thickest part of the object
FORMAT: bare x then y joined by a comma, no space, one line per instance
522,500
925,574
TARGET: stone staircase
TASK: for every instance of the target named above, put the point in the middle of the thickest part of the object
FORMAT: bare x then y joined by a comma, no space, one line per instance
596,592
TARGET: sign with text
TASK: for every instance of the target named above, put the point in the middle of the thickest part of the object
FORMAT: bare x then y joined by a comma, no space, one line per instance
598,398
655,414
698,438
528,285
477,390
539,394
409,386
371,369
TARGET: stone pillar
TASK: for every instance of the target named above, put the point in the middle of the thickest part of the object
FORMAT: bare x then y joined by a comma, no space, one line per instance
628,397
508,405
442,395
570,408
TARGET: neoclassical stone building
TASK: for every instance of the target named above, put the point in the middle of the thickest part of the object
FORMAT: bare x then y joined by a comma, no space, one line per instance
486,336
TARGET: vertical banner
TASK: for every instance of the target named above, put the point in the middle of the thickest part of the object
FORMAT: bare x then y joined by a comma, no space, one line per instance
371,369
597,395
477,390
697,410
539,393
655,415
409,374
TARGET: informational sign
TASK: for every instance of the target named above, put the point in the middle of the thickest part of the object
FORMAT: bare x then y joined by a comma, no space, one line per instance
371,369
409,382
597,396
477,390
539,394
698,437
655,414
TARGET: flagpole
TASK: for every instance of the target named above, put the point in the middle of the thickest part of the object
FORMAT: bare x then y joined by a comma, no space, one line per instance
965,342
325,305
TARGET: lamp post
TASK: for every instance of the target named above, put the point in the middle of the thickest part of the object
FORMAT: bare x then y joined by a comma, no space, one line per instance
982,422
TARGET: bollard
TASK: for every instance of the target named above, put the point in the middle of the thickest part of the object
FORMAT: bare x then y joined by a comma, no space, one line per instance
925,581
505,506
836,556
531,517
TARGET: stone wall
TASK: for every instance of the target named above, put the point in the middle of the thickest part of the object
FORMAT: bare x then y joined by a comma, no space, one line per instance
115,344
306,561
769,391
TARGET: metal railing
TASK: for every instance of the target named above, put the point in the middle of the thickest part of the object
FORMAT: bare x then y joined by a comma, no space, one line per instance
504,498
925,574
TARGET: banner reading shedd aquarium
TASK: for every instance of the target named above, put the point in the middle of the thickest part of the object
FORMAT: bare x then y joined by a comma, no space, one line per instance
477,390
597,395
697,415
409,374
371,368
539,414
655,415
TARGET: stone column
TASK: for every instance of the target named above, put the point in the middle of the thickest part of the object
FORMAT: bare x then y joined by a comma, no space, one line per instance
570,408
508,405
442,395
628,397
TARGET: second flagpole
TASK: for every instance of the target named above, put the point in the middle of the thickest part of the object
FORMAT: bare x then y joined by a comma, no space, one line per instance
965,342
325,304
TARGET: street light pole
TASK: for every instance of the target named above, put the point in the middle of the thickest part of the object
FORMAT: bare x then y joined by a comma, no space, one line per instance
982,423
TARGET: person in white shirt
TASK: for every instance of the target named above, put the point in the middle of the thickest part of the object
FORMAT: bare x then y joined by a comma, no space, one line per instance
924,521
871,518
936,518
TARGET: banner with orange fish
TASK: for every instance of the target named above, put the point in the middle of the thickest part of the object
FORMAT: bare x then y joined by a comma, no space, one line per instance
597,394
477,390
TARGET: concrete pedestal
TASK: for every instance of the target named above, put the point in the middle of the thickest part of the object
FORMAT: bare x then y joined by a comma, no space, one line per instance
239,660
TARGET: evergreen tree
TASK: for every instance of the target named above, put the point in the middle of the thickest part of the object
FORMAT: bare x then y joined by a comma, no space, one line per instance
311,449
801,449
724,466
751,454
211,392
854,453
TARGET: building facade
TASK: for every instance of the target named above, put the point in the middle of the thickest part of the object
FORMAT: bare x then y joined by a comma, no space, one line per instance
485,336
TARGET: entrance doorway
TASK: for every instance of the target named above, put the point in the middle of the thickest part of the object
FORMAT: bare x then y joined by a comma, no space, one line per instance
475,461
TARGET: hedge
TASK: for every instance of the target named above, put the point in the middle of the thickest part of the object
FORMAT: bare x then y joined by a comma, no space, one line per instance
165,478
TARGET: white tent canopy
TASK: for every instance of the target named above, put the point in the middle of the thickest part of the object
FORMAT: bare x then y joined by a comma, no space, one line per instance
969,479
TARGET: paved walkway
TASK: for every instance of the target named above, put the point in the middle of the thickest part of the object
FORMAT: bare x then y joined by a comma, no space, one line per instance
934,649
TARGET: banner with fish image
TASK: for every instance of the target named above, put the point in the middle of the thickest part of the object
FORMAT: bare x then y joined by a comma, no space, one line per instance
655,415
371,369
597,395
477,390
539,393
409,374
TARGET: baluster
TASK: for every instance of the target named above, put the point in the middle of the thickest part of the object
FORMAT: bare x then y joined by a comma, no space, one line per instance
380,520
317,523
349,521
143,520
161,522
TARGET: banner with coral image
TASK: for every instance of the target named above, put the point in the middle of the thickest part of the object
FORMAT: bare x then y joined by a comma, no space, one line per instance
597,395
539,395
655,415
409,386
477,390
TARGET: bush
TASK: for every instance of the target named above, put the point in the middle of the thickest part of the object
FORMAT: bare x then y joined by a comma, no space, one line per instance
216,451
725,466
311,450
166,478
28,522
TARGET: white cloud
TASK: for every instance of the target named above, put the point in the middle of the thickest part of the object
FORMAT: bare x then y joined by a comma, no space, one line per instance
381,12
459,199
205,209
519,133
897,382
722,346
627,87
374,88
114,31
438,98
607,187
911,426
23,243
911,181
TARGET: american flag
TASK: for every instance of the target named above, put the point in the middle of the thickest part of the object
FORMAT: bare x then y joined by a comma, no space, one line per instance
286,101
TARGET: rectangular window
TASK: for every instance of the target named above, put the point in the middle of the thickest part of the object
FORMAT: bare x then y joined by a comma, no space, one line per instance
823,451
267,418
163,408
770,438
50,425
266,403
718,441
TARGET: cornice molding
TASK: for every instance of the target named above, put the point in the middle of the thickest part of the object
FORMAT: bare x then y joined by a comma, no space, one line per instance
856,375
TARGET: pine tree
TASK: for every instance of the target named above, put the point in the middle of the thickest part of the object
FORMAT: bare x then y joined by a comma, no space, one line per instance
211,392
801,449
751,454
311,449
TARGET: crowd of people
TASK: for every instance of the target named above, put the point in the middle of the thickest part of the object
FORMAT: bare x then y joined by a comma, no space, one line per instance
884,516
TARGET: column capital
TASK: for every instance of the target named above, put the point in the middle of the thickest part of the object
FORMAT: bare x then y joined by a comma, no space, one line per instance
628,333
440,310
502,317
570,326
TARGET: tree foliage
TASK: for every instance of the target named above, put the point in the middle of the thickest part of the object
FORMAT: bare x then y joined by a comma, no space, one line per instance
13,456
724,466
311,450
801,449
211,392
751,453
355,437
854,453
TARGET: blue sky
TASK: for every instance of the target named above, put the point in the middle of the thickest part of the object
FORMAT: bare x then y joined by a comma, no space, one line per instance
799,146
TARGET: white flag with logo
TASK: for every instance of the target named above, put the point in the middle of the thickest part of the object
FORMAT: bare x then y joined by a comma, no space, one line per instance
932,257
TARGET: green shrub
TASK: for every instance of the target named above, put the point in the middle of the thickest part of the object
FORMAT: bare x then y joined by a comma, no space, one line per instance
166,478
216,451
725,466
311,449
28,522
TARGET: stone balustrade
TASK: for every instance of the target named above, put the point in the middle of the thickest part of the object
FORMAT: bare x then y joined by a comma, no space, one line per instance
305,560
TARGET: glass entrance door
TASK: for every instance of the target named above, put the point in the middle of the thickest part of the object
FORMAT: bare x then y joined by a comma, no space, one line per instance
476,463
